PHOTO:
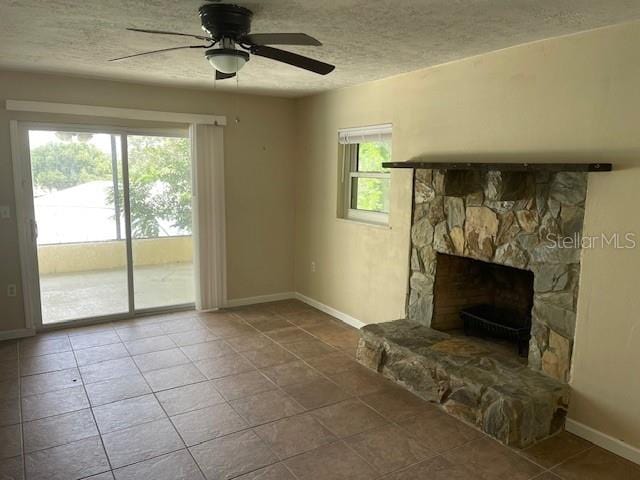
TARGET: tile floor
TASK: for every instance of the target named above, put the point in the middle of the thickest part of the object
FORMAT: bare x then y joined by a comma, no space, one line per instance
268,392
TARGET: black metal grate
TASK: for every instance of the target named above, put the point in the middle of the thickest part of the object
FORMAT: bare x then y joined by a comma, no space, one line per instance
497,322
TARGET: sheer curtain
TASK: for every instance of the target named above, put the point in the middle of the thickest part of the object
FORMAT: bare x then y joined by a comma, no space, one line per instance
207,152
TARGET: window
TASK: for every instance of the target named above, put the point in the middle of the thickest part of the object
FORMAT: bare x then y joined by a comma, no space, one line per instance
364,182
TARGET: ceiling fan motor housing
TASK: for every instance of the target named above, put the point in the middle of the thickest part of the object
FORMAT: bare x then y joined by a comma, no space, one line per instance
224,20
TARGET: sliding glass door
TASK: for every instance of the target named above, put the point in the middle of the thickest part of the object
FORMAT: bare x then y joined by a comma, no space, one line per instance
160,197
113,216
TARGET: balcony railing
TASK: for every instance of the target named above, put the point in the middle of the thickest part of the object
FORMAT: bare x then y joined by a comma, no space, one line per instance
107,255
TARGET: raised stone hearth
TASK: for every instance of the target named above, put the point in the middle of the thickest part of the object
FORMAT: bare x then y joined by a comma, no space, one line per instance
502,397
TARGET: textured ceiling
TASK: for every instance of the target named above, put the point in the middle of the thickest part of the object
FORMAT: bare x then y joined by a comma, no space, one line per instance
365,39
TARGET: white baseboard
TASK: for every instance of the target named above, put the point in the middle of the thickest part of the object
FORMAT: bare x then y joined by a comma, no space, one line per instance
274,297
603,440
19,333
348,319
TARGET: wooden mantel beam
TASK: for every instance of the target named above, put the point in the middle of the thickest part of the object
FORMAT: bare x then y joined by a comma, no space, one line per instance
504,167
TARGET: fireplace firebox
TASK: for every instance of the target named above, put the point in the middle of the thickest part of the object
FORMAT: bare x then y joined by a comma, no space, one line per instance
482,299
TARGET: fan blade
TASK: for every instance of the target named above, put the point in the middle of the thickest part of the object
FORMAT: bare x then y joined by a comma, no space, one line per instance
281,39
163,32
224,76
293,59
156,51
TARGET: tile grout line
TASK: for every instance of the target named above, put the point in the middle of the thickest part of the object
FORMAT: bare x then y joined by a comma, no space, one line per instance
570,457
84,388
292,353
520,452
147,459
22,452
187,448
397,425
144,423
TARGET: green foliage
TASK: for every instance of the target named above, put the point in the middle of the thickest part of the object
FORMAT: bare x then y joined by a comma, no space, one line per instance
371,155
372,193
62,165
159,184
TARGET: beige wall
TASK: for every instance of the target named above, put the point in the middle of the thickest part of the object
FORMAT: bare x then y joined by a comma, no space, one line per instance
559,100
258,174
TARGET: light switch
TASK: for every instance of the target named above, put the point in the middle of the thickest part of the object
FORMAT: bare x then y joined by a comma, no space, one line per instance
5,212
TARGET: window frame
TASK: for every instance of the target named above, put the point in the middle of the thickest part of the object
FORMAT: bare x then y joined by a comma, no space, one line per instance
350,157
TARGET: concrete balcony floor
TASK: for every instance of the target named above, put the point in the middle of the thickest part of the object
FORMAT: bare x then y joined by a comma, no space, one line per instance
69,296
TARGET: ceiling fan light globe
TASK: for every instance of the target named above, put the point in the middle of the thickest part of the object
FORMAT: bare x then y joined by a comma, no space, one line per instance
227,60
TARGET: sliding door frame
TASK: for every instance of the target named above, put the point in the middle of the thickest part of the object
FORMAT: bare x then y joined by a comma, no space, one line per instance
27,227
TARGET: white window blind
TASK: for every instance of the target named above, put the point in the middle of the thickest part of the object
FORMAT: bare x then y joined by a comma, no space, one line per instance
374,133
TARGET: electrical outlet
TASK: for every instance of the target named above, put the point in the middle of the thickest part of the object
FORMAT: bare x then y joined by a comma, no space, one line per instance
313,267
11,290
5,212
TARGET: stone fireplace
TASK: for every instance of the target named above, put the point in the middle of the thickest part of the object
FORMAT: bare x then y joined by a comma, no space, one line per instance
507,218
489,238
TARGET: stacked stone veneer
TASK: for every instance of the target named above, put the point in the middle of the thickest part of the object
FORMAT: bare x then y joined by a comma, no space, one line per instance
509,218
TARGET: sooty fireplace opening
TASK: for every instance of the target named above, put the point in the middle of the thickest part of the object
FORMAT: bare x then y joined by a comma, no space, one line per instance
485,300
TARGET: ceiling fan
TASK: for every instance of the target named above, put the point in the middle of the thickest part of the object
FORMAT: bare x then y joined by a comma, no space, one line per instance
229,44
